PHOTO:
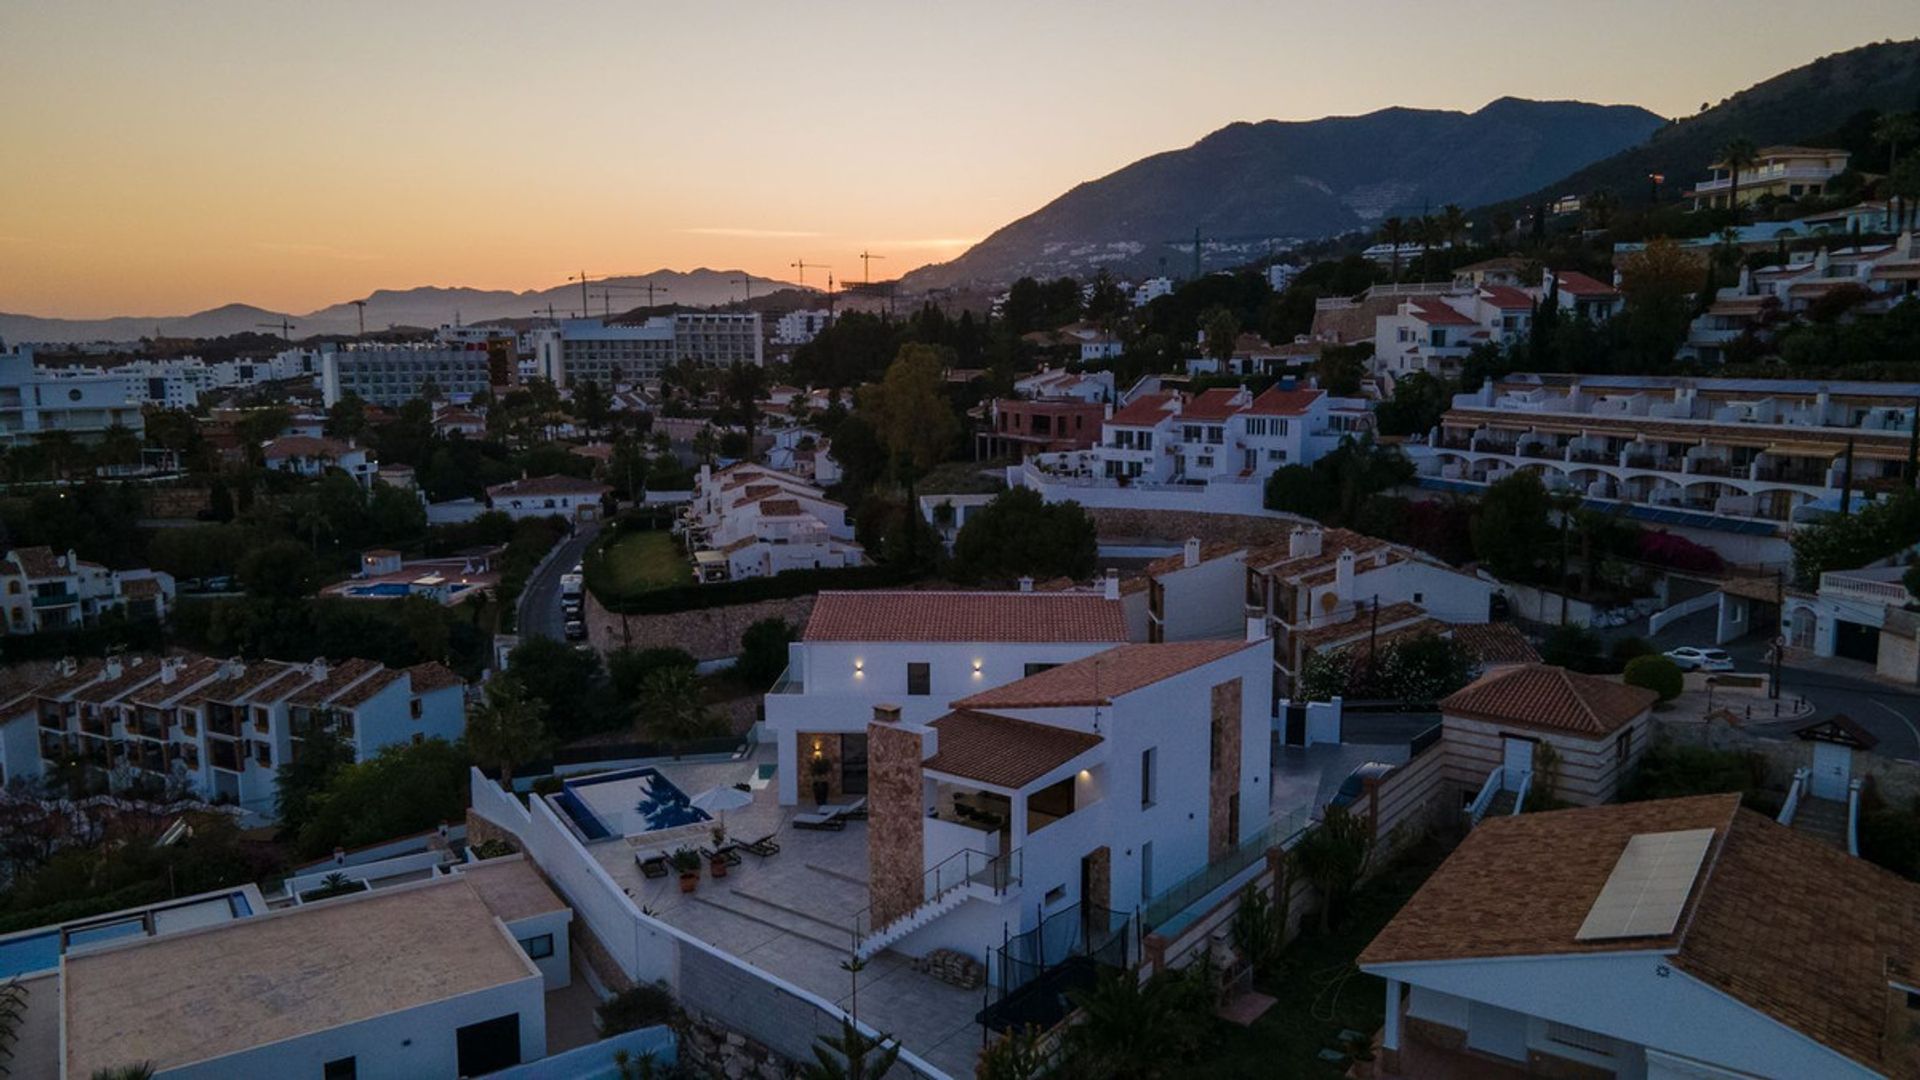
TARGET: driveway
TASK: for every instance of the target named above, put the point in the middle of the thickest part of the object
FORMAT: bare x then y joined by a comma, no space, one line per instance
1832,686
540,601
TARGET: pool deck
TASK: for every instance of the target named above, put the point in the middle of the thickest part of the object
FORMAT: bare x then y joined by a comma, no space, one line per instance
791,914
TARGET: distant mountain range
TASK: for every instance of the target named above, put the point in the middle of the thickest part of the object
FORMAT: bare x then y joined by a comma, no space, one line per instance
1249,186
425,306
1816,103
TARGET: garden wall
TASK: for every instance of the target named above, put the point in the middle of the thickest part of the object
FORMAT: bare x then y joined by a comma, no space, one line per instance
1895,780
709,633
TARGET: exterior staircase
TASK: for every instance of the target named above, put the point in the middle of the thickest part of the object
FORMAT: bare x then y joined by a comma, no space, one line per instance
871,945
1823,819
1506,801
1505,792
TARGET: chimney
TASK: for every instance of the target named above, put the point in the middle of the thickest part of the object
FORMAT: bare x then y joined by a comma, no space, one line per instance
169,668
67,665
317,670
1256,628
1191,555
886,713
1303,543
1111,585
1026,584
113,668
1343,578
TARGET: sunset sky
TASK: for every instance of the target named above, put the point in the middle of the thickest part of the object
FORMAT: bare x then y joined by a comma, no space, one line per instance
165,158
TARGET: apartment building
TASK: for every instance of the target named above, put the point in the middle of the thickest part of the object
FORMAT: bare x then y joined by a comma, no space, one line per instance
1778,172
919,650
582,350
1879,276
392,375
222,729
83,403
748,520
1154,288
1087,791
1730,462
1672,940
1018,427
44,592
800,327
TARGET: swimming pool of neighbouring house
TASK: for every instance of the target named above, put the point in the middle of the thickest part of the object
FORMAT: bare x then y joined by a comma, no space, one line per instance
626,803
34,951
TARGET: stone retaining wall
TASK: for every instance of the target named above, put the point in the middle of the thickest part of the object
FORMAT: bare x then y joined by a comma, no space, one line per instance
709,634
1114,524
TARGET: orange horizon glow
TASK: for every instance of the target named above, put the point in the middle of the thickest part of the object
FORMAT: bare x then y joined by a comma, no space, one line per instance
166,159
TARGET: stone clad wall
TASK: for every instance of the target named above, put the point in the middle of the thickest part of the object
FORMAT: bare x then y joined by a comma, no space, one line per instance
896,819
1223,782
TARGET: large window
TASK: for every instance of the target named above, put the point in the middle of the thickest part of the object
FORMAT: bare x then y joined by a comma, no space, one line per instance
345,1068
538,948
919,679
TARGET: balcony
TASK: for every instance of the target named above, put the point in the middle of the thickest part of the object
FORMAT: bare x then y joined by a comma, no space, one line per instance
1709,467
1653,461
1544,452
55,599
1810,477
1493,446
1593,457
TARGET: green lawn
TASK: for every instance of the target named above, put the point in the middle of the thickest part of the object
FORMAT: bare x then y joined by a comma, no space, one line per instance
643,560
1319,991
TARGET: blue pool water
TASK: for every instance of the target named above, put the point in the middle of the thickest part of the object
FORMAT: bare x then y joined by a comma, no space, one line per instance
23,955
384,588
660,804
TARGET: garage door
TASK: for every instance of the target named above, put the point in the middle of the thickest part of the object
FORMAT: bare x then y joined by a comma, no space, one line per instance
1856,641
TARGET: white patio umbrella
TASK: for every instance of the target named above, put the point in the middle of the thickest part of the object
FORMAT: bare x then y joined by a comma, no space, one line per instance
719,800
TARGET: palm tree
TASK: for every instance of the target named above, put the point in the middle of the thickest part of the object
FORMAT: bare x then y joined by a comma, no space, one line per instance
851,1055
1502,224
1894,129
1454,221
1393,233
1736,155
142,1071
118,446
672,709
508,727
1332,859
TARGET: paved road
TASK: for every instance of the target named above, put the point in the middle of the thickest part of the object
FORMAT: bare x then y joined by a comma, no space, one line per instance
540,602
1891,712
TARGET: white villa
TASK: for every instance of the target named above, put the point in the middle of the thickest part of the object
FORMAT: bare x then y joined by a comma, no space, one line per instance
44,592
549,496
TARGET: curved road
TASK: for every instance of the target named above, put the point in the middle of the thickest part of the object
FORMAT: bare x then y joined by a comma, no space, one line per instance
540,601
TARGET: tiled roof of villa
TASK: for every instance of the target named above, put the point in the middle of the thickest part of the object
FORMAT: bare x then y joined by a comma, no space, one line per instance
1495,643
363,691
547,485
1540,695
339,676
1775,919
433,675
62,685
1274,401
1146,410
1215,404
191,674
134,673
1098,679
1438,313
39,562
1575,283
1506,297
304,446
1003,751
935,615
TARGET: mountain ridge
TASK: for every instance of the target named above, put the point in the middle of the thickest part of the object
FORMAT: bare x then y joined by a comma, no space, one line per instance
418,306
1251,184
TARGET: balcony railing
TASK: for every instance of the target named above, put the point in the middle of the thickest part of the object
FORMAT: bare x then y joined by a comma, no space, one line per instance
1279,832
1544,453
1593,457
1710,467
59,599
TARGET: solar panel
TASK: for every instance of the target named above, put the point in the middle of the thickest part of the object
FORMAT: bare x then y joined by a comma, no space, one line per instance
1648,887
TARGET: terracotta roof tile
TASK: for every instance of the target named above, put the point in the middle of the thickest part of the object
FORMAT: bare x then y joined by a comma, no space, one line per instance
338,678
134,673
363,691
1274,401
1146,410
1003,751
1575,283
1215,404
1496,643
39,562
433,676
965,616
1506,298
197,670
780,508
1363,620
1217,549
237,688
1539,695
1437,313
140,588
547,485
1098,679
1776,920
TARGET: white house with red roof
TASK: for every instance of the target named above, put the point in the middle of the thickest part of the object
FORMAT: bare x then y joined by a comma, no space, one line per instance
748,520
918,650
1428,333
1209,452
1080,795
1582,296
312,456
549,496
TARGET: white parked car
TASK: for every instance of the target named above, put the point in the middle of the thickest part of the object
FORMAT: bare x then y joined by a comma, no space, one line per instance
1689,658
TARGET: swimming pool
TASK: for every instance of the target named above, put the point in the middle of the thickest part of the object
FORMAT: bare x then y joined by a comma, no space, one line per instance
35,951
626,803
390,589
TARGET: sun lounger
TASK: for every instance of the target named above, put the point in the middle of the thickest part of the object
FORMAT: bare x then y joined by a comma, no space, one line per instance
822,820
853,811
653,864
762,847
727,853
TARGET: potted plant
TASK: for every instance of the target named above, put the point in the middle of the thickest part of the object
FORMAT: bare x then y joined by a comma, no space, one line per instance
820,767
687,861
718,862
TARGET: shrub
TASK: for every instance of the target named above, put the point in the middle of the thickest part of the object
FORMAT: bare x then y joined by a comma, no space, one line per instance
1631,648
492,849
1667,772
1574,647
629,668
763,651
629,1010
1656,673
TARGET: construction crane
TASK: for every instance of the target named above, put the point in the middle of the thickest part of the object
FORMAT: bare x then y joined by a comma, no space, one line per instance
285,327
866,258
802,264
360,307
745,280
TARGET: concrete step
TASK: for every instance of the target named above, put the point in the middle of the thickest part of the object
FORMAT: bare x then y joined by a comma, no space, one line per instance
828,898
1823,819
1503,803
777,918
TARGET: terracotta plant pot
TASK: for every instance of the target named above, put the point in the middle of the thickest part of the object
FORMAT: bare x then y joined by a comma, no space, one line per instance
719,867
689,882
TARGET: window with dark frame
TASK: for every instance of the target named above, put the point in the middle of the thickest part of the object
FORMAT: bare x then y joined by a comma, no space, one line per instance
539,947
919,679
